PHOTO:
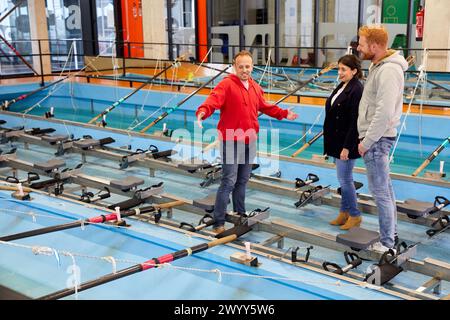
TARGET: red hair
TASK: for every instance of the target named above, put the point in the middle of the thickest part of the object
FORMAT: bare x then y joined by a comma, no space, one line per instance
374,34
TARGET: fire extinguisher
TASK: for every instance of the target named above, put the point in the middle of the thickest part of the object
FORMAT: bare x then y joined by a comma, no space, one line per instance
420,15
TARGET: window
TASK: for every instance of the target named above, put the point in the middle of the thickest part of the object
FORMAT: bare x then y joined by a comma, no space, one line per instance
64,31
259,29
297,30
338,27
105,26
183,30
224,30
15,29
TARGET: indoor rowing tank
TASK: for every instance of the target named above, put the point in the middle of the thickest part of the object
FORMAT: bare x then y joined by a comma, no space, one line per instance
283,249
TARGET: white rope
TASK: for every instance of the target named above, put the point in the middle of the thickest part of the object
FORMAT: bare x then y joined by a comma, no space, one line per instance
59,85
173,97
420,79
74,271
112,260
42,250
265,68
309,131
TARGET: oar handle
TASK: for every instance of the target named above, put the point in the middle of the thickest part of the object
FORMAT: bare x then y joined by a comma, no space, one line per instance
154,122
300,150
13,188
306,145
94,119
422,166
431,157
223,240
170,204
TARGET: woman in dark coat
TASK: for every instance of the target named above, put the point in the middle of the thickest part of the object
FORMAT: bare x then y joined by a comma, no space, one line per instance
341,136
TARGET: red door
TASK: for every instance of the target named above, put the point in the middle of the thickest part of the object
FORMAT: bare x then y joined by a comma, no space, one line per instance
132,28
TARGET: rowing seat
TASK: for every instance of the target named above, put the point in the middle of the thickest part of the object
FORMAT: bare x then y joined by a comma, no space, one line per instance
49,165
207,203
358,185
414,208
139,197
358,238
154,190
86,143
126,184
89,143
192,167
55,138
162,154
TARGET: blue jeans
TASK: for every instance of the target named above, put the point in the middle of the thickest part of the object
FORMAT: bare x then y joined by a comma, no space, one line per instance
380,185
344,170
236,169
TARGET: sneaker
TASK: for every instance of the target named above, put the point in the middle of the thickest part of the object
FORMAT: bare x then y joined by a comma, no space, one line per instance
218,229
379,247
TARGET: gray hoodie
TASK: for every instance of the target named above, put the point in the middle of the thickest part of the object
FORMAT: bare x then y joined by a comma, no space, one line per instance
381,104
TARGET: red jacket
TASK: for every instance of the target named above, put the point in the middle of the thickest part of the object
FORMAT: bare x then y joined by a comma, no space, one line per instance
239,109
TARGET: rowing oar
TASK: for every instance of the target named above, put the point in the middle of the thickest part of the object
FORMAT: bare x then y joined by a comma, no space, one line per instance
93,220
231,235
7,104
121,100
18,55
306,145
13,188
301,85
434,83
431,157
170,110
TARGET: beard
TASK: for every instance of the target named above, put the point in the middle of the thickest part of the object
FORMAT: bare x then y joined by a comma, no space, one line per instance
366,55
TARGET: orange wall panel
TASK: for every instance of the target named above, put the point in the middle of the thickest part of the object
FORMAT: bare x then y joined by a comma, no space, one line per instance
202,29
132,27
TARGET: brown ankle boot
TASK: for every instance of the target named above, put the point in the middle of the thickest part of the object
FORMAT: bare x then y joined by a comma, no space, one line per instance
352,222
341,219
218,229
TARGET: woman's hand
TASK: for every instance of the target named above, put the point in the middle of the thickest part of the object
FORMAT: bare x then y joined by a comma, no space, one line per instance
344,154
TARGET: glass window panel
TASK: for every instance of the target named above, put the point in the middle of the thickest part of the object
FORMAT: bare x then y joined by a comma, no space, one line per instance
259,29
106,27
64,31
297,30
338,27
183,30
15,29
224,30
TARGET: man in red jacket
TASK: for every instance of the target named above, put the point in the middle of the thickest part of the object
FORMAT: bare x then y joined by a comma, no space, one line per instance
239,99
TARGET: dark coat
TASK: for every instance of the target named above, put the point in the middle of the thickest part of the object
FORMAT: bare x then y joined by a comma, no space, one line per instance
340,126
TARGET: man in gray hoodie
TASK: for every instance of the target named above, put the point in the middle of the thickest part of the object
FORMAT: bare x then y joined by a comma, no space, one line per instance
379,115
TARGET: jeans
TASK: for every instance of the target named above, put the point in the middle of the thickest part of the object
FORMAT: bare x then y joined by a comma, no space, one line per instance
344,170
380,185
237,165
